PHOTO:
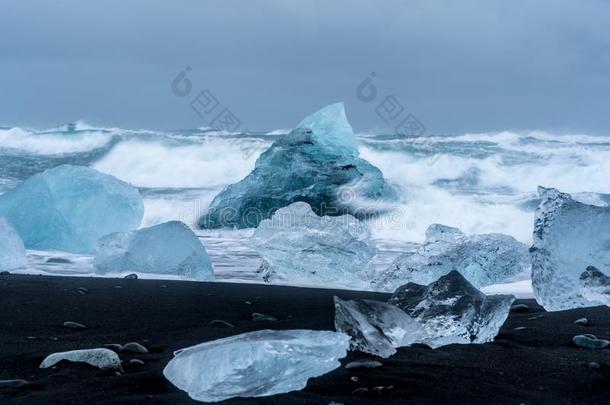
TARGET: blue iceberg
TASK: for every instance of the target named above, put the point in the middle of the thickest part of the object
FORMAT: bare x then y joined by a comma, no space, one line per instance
316,163
69,208
12,251
255,364
169,248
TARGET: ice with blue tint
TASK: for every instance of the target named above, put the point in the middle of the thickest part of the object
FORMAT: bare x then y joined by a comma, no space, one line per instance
451,310
70,207
569,236
376,327
595,286
12,251
484,259
168,248
255,364
298,246
317,164
332,130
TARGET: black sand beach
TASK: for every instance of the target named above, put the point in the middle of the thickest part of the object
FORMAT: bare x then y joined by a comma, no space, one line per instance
534,365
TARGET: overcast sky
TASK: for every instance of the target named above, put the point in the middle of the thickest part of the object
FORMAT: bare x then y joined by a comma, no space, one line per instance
458,66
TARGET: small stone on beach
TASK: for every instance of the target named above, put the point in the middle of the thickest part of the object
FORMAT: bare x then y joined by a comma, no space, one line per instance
219,323
262,317
581,321
131,276
73,325
364,364
590,341
134,347
18,383
136,362
519,308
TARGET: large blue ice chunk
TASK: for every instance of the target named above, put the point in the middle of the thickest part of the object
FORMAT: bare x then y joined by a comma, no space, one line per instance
70,207
168,248
298,246
255,364
451,310
316,163
12,251
569,236
484,259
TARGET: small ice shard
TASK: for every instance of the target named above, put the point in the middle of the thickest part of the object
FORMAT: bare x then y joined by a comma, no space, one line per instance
168,248
595,286
569,236
376,327
316,163
12,251
298,246
483,259
255,364
104,359
69,208
363,364
452,310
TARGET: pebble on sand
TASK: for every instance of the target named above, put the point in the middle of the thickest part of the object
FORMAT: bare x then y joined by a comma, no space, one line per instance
18,383
590,341
219,323
364,364
519,308
73,325
262,317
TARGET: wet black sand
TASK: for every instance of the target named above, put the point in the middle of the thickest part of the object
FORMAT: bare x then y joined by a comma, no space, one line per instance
535,365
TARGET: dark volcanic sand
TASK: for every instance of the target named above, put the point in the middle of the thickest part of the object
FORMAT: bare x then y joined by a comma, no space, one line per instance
535,365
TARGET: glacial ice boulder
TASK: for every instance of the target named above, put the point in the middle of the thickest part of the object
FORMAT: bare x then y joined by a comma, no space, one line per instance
69,208
451,310
255,364
316,163
595,286
12,251
376,327
168,248
484,259
569,236
298,246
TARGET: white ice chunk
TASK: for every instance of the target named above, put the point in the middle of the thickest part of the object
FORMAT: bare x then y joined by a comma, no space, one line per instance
12,251
298,246
484,260
569,236
100,358
452,310
168,248
255,364
595,286
70,207
376,327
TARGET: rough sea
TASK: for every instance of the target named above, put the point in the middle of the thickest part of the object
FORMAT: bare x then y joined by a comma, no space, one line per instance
477,182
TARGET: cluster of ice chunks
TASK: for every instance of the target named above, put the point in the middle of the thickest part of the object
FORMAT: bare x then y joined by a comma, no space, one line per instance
569,236
448,310
255,364
376,327
298,246
12,251
69,208
483,259
316,163
595,286
168,248
451,310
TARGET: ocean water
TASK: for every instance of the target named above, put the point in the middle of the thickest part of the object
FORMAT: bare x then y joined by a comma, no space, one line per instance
476,182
